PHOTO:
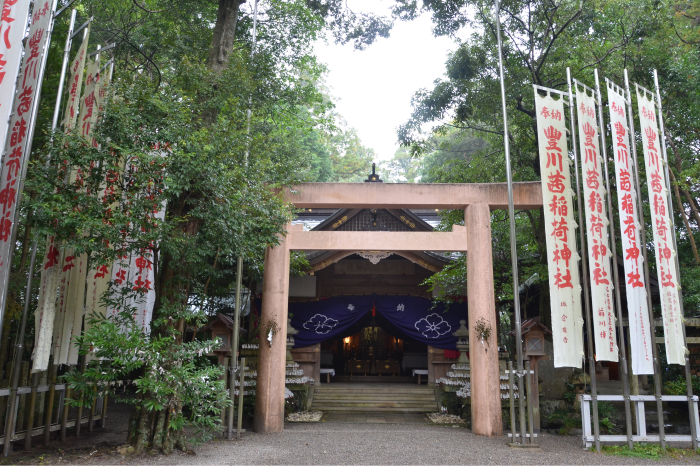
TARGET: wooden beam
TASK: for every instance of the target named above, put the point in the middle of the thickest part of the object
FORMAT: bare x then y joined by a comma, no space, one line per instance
526,195
299,240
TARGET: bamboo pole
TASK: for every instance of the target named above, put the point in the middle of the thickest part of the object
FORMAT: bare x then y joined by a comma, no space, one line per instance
48,416
32,407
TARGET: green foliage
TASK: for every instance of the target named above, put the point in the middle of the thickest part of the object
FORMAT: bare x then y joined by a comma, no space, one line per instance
176,378
679,387
648,451
452,402
570,393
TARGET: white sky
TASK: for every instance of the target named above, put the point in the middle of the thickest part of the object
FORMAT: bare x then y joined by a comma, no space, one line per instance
372,88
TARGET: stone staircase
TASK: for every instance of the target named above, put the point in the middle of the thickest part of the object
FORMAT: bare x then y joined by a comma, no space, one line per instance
398,399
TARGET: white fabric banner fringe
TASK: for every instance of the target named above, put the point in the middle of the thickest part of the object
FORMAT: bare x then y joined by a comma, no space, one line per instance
562,259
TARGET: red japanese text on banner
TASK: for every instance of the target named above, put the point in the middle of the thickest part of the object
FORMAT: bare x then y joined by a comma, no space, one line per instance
661,224
596,232
17,144
90,102
13,21
135,273
75,82
45,314
637,309
560,229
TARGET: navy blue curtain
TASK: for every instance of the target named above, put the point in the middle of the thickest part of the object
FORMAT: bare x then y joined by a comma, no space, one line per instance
327,319
414,318
422,319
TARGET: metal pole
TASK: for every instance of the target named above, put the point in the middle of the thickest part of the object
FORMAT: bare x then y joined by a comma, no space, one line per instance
584,266
616,278
241,394
512,400
654,346
66,53
12,411
689,385
234,344
239,260
530,395
511,216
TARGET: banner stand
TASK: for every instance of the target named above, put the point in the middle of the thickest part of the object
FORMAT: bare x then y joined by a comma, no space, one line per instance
584,265
616,278
689,386
654,346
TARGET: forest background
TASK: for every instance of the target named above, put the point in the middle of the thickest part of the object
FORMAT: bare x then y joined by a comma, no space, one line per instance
185,77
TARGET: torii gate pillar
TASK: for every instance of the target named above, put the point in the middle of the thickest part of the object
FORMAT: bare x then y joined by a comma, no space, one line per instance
272,361
485,376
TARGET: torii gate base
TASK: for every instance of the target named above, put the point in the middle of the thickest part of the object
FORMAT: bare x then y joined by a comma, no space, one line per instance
477,202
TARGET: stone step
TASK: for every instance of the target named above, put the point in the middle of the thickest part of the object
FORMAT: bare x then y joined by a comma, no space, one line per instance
377,395
379,404
374,409
374,391
324,397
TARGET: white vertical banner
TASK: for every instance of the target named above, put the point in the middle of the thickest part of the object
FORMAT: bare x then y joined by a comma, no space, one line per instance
596,232
661,223
75,83
21,128
13,22
51,273
45,314
640,334
136,271
560,228
77,268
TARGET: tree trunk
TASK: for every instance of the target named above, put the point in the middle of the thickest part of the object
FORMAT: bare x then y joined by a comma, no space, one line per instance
681,209
224,34
693,207
691,201
26,240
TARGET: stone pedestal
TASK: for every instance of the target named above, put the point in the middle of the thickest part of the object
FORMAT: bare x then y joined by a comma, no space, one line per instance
486,401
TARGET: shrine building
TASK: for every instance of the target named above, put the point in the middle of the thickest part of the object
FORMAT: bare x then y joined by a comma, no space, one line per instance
363,311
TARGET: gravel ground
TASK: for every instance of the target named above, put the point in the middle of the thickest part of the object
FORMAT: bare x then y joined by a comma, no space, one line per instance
326,443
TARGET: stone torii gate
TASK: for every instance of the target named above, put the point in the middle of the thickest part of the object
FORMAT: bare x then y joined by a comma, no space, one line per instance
477,200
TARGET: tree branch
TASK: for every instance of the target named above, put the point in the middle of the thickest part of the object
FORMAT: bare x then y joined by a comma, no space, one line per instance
555,36
146,10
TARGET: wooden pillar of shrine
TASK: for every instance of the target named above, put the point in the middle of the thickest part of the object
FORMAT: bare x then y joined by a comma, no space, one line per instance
485,395
269,406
